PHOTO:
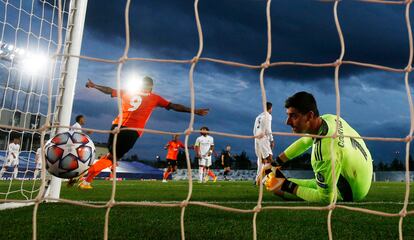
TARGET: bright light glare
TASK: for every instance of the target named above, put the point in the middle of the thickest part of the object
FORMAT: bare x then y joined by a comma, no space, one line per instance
20,51
133,83
34,64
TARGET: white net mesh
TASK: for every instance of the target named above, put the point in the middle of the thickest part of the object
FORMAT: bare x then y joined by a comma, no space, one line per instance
28,45
40,108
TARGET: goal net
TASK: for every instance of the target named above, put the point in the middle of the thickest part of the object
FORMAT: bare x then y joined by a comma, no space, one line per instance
31,83
33,32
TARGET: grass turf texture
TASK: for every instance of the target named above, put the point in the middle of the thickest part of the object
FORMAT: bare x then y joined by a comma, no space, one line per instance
64,221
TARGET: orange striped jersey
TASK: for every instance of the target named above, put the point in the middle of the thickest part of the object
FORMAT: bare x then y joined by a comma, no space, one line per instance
173,148
137,108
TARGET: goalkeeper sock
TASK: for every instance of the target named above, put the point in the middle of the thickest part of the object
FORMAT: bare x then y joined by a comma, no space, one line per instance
97,167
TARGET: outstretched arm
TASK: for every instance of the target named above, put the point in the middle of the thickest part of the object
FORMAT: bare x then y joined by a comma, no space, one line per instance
323,187
295,149
182,108
104,89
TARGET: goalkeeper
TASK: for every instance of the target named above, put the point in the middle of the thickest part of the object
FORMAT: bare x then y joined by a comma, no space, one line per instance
353,162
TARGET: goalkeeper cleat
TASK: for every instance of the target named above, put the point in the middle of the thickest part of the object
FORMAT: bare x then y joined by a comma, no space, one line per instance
273,183
85,186
77,179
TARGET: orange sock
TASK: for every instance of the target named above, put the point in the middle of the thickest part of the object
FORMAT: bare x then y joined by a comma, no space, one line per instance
97,167
166,174
211,174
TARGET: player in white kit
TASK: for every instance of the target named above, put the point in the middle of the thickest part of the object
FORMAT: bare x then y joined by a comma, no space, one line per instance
263,145
204,147
80,122
12,158
38,162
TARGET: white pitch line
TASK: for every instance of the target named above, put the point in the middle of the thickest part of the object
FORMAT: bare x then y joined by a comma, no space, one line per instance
275,203
9,205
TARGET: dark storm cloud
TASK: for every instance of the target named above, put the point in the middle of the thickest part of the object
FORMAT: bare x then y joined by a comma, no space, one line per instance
236,30
95,108
385,151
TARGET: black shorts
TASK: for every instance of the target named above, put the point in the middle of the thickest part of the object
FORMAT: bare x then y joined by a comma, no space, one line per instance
226,164
172,163
124,142
344,189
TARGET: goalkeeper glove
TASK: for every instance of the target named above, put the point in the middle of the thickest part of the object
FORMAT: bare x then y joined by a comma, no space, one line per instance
267,169
277,182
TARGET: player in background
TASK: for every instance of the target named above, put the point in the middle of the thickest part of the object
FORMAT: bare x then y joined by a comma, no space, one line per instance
353,162
263,145
38,163
226,157
80,122
137,107
12,158
173,148
204,147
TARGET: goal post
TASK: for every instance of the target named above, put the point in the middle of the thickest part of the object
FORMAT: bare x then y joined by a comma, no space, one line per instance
69,72
29,37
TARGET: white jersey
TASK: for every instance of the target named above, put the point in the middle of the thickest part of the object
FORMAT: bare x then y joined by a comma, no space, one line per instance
263,124
76,125
205,143
14,149
39,158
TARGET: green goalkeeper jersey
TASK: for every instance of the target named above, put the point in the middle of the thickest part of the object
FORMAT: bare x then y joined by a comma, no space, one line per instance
353,163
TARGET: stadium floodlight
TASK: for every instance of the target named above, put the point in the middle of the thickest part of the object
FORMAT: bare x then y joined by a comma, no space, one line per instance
34,64
20,51
133,82
10,52
29,63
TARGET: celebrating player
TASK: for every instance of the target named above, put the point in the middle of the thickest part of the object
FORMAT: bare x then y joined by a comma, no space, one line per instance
353,162
12,157
173,147
225,161
263,146
204,147
136,110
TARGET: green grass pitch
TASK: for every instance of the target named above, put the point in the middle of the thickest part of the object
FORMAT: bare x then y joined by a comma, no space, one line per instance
64,221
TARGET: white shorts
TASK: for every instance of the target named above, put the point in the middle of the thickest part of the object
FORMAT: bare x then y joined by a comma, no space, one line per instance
205,161
39,165
262,148
11,161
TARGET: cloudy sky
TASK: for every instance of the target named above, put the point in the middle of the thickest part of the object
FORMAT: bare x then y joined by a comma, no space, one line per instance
374,102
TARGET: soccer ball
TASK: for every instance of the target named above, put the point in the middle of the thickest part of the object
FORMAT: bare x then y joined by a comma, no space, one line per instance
68,154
